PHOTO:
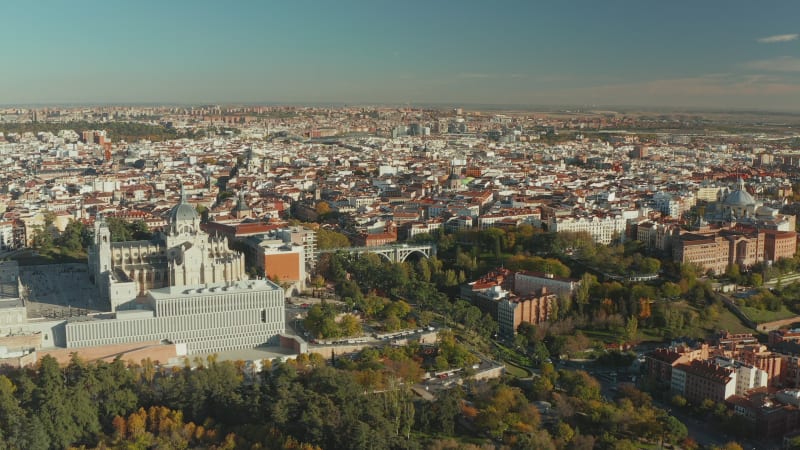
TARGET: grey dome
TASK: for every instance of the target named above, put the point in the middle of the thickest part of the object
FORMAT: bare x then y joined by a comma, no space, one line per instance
184,212
766,211
739,198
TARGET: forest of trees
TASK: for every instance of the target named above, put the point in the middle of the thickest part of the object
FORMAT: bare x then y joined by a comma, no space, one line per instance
77,237
357,403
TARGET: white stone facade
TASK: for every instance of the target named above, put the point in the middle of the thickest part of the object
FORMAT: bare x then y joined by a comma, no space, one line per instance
182,256
209,318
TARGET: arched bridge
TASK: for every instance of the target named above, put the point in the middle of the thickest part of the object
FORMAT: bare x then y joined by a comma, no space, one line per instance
393,253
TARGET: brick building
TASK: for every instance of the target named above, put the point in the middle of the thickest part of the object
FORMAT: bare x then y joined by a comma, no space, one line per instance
496,294
701,380
660,363
533,309
716,249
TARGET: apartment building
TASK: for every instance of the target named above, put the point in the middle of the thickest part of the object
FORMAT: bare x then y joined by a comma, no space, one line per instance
700,380
603,229
533,309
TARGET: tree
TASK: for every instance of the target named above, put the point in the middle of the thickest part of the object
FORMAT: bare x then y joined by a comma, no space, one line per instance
670,290
540,352
323,208
202,211
521,341
65,420
649,265
678,400
588,281
733,273
119,230
631,329
579,384
564,433
327,239
139,230
12,416
674,430
318,281
72,238
42,238
350,325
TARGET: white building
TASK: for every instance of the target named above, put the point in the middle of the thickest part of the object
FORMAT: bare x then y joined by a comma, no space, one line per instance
207,318
747,376
301,236
183,256
602,229
667,204
527,283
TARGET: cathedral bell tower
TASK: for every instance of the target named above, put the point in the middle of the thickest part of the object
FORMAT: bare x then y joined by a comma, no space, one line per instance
100,257
102,242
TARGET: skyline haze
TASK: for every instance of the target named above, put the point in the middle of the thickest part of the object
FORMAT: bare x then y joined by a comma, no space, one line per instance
678,55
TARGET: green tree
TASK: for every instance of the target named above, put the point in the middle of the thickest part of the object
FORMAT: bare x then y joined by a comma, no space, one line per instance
585,286
119,229
674,430
631,329
68,415
42,238
12,416
327,239
72,238
350,325
649,265
733,273
679,401
670,290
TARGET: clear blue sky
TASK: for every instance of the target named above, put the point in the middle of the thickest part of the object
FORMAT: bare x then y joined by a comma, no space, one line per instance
709,53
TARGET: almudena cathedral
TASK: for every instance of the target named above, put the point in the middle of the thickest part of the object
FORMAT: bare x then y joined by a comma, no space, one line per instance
183,287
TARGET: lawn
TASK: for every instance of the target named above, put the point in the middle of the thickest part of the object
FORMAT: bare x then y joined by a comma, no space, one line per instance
51,256
517,372
650,335
607,337
728,321
765,315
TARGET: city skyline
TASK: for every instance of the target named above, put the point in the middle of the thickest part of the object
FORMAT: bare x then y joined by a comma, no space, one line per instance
714,55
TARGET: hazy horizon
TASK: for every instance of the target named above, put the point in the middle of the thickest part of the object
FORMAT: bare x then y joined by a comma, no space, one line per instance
715,55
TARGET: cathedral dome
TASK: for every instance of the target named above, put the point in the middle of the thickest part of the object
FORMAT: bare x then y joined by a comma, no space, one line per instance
739,198
184,212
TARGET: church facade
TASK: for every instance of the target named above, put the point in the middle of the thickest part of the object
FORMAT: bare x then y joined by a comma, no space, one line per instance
182,255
